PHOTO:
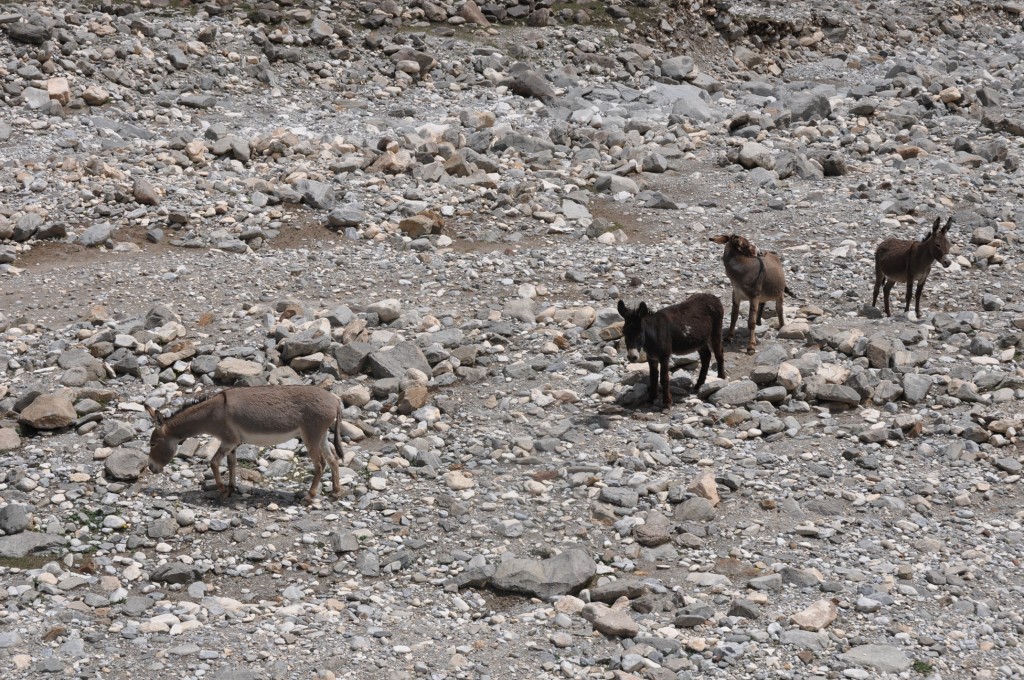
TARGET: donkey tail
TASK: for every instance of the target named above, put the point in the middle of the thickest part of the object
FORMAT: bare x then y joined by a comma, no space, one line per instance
337,431
791,294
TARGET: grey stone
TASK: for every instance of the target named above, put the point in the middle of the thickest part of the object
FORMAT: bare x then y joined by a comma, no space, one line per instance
693,615
799,577
807,106
678,68
735,393
394,363
144,192
614,184
317,195
882,658
690,105
15,518
744,608
9,439
125,465
655,531
529,83
10,638
341,218
771,582
97,234
562,574
353,357
836,393
344,541
49,412
694,509
621,496
21,544
27,33
307,341
165,527
176,572
916,387
805,639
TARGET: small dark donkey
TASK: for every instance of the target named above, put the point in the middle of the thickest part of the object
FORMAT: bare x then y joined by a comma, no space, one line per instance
900,261
694,324
756,276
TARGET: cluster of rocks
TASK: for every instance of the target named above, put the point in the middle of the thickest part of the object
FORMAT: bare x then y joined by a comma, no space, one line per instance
478,185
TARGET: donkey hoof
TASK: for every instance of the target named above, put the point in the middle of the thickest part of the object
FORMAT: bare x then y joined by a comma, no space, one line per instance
751,350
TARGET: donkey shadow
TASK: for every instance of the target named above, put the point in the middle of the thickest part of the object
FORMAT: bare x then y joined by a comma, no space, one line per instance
244,497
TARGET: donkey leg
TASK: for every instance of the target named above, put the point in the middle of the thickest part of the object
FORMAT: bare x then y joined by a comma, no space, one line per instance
751,324
910,290
885,294
652,383
760,313
917,298
222,451
716,347
879,277
733,315
332,460
666,393
232,461
316,456
779,311
705,364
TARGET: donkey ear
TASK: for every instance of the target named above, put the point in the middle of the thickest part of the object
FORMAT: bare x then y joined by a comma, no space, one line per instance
948,223
158,419
723,238
935,227
623,311
642,309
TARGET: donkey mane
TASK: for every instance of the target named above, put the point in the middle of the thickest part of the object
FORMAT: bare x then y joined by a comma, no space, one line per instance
193,401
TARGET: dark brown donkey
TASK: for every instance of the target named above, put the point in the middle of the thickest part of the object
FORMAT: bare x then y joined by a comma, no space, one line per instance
756,276
694,324
902,261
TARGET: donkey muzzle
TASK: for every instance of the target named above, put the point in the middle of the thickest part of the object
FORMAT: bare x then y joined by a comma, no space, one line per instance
155,467
946,261
633,355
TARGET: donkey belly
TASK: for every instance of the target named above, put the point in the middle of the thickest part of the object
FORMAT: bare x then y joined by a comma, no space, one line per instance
268,438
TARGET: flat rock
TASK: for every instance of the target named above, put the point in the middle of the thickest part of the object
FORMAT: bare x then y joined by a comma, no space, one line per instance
735,393
562,574
26,542
816,616
882,658
610,621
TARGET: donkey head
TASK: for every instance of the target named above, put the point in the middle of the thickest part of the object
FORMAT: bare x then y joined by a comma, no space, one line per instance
737,244
633,331
937,243
161,446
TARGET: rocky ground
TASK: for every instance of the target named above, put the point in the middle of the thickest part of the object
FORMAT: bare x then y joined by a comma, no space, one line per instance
432,209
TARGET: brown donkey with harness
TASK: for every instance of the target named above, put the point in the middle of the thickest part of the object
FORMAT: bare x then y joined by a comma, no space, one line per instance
756,276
